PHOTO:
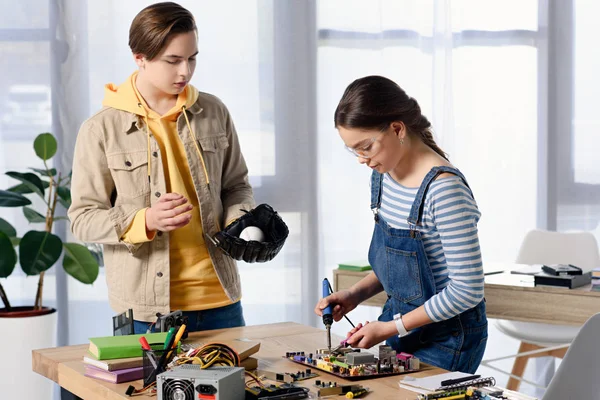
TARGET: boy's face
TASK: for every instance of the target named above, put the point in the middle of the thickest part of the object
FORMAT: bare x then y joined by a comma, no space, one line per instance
172,69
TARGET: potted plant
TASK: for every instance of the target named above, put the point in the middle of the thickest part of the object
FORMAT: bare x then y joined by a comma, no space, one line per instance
31,327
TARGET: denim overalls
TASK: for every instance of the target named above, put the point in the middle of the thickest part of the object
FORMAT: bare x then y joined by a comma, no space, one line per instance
400,263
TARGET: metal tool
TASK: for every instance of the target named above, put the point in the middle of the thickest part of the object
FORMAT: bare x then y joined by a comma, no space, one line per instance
344,343
327,314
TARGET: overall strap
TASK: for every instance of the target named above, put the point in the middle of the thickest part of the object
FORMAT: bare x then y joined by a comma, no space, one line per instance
376,185
416,211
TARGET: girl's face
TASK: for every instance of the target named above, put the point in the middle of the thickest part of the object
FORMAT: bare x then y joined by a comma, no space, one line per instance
172,69
379,150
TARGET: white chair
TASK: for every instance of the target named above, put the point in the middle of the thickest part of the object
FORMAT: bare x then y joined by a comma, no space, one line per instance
538,340
577,375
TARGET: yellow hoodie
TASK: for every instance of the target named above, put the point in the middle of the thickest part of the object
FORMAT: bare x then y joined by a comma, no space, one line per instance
194,284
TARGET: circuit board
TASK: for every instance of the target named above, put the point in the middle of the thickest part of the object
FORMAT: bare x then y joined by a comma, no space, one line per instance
287,377
352,364
284,391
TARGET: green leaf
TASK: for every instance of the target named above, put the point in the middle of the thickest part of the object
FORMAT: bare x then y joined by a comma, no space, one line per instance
45,146
24,189
33,216
64,196
43,172
7,228
80,263
8,260
15,241
32,181
10,199
38,251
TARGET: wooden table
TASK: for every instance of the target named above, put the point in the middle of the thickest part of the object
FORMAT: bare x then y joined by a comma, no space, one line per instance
514,297
64,364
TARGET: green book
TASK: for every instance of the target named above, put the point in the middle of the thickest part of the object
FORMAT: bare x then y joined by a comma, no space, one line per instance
355,266
111,347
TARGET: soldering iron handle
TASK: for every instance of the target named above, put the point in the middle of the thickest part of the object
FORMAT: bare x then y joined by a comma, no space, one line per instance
327,310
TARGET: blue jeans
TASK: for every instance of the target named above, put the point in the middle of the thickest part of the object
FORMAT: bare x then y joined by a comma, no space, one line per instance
230,316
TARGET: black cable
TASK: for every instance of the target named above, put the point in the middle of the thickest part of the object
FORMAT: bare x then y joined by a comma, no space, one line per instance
330,292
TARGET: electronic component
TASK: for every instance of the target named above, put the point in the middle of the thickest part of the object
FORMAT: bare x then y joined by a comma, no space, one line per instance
561,269
286,377
459,389
332,389
123,323
360,358
191,382
285,391
353,364
174,319
562,280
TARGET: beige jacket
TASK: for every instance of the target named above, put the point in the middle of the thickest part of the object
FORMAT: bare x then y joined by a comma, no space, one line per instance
110,184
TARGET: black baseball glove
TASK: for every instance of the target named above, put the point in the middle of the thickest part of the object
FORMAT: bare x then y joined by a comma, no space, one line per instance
262,217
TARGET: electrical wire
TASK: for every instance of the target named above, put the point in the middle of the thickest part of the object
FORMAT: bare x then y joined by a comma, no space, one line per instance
330,292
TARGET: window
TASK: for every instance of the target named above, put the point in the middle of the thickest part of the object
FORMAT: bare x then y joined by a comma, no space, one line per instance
473,67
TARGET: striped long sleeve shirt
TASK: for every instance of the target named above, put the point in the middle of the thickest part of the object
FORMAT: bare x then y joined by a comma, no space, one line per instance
449,231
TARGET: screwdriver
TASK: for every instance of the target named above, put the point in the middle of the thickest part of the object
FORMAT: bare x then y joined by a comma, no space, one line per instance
327,314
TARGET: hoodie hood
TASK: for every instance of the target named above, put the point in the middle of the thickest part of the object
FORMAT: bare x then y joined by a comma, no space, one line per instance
126,97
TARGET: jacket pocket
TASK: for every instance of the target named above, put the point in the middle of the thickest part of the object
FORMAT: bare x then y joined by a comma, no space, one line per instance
404,276
214,143
130,173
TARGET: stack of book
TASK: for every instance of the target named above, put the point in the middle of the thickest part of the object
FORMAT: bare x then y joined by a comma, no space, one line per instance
117,359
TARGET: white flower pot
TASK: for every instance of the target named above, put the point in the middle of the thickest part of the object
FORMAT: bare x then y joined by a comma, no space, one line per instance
22,331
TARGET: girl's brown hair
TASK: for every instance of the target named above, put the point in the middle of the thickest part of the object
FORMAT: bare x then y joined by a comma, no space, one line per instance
374,102
154,25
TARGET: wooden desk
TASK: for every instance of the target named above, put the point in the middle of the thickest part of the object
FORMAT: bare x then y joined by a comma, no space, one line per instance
513,297
64,364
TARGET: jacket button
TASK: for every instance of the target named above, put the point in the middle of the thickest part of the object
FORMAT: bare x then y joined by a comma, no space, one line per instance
155,154
159,233
159,274
128,163
157,194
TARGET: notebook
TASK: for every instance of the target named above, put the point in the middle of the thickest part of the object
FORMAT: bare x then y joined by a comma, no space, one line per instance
355,266
111,347
115,364
122,375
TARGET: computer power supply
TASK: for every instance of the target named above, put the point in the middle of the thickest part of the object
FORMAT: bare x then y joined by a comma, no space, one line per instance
190,382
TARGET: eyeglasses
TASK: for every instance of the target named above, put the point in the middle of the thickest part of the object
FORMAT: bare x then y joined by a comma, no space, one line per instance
369,149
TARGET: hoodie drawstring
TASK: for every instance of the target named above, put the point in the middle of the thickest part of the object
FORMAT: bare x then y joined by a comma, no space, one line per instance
187,121
196,144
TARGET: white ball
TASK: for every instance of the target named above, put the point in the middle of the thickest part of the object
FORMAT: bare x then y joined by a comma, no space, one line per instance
252,233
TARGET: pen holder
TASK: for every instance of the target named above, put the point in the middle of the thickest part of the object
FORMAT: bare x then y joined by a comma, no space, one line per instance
154,363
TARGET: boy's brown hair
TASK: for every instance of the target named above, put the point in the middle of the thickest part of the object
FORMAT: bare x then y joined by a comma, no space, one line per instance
154,25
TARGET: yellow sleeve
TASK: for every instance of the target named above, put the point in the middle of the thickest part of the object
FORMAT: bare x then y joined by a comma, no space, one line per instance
137,233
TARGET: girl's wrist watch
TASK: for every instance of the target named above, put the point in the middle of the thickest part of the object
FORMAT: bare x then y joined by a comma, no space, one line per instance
400,325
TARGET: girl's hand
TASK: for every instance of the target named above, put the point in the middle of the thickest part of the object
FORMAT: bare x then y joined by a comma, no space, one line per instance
368,335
